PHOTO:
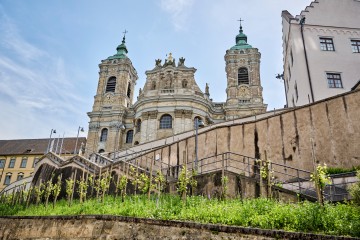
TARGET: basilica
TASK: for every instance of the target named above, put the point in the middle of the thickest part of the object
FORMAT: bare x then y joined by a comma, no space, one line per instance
170,102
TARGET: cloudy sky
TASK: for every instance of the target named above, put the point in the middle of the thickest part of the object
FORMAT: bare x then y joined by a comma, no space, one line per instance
50,51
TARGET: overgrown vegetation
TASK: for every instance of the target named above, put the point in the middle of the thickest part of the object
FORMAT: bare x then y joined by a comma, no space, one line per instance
322,217
355,190
336,219
321,178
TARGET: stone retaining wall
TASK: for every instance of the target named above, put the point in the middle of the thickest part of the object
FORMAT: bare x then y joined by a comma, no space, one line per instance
116,227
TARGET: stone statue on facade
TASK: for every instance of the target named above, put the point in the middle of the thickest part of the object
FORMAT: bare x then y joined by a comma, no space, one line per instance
207,89
184,83
158,62
181,61
153,85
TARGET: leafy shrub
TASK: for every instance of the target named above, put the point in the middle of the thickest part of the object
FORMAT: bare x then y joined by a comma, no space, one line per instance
355,190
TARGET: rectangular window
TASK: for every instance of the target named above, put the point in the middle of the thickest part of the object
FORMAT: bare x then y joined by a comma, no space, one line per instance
12,163
7,179
23,163
327,44
334,80
2,163
355,45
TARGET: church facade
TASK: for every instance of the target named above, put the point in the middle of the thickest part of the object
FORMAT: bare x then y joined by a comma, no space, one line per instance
170,102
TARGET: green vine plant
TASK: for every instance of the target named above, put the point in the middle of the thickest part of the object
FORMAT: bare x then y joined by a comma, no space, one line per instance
267,174
136,180
56,190
182,183
104,184
144,183
122,186
192,181
224,186
24,196
82,189
48,188
320,178
159,182
69,190
355,190
29,195
23,193
38,191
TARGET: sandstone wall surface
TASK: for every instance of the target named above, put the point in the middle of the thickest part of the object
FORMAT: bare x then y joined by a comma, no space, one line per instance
115,227
330,129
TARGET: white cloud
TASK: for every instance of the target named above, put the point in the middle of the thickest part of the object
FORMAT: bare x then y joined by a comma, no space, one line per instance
178,10
12,40
35,87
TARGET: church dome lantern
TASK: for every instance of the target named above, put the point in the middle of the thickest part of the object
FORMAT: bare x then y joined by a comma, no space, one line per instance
241,40
121,50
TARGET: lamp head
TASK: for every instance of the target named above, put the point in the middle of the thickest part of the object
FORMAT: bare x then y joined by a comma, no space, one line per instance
82,129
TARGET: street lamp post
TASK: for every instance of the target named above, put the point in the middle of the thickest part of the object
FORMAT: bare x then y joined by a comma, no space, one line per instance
198,123
48,148
77,137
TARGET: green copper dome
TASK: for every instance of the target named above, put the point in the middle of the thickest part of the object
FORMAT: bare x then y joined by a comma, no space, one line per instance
241,41
121,51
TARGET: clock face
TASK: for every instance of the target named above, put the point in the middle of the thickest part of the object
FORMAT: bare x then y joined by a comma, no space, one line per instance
109,98
243,91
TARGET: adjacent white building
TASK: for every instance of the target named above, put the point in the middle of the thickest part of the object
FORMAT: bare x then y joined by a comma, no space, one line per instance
321,50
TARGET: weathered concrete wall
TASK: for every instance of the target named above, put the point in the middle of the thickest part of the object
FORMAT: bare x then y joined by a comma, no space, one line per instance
332,124
112,227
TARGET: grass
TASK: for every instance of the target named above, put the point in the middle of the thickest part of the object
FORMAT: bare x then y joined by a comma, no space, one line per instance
334,170
334,219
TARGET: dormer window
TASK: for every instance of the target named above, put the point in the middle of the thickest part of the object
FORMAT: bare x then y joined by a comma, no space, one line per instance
243,76
111,83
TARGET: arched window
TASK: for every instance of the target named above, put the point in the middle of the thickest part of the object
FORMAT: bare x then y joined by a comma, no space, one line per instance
101,150
243,76
111,83
165,121
103,135
138,125
129,90
129,136
7,178
20,176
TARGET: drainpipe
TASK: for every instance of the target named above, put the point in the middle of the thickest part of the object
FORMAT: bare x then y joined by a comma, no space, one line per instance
302,22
